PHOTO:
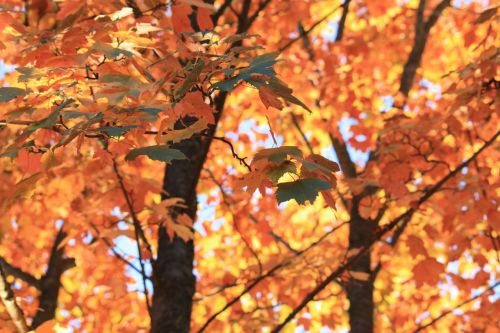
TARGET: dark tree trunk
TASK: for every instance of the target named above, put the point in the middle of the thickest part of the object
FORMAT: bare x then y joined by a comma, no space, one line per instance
173,278
50,283
174,282
360,292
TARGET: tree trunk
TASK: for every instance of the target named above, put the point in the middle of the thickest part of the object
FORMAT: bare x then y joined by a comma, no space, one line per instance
360,292
174,282
173,278
50,283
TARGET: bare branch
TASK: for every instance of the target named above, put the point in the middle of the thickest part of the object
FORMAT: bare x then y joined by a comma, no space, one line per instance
220,11
302,134
262,5
346,163
115,253
307,31
19,273
422,29
139,234
235,155
341,24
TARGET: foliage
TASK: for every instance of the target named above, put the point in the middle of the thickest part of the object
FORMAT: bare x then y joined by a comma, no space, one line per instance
385,176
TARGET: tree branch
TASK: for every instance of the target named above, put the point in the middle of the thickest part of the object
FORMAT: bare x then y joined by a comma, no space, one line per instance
269,273
346,163
19,273
139,234
9,301
341,24
422,29
50,283
302,134
307,31
381,232
447,312
220,11
262,5
116,254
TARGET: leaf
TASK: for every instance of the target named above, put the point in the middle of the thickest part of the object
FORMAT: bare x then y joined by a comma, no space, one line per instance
259,65
286,167
269,99
315,162
427,271
9,93
110,51
301,190
191,79
278,155
124,12
24,186
51,119
175,136
117,130
157,153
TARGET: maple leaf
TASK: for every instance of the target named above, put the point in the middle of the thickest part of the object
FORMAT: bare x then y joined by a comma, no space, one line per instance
157,153
301,190
427,271
278,155
9,93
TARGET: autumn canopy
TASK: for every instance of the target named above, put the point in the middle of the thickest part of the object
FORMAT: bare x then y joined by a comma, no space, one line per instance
249,166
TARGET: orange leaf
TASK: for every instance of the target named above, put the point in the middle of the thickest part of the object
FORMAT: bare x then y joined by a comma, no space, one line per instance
269,99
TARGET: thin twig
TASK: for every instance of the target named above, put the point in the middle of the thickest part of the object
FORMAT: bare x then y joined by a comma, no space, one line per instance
308,30
269,273
139,233
112,249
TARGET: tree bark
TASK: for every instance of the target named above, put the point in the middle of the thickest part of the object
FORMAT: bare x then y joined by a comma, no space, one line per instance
173,278
50,283
360,292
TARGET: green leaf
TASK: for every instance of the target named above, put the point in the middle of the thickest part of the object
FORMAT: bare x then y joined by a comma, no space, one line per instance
150,110
157,153
110,51
9,93
276,173
117,130
51,119
262,64
191,79
77,114
278,155
301,190
12,151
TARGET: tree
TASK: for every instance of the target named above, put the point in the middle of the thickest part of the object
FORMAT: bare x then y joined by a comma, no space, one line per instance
129,204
